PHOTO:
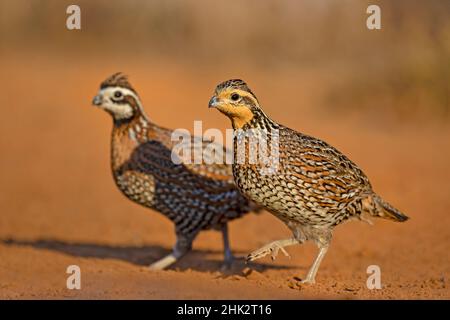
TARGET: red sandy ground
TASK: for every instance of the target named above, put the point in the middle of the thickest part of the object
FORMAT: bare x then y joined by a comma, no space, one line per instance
60,206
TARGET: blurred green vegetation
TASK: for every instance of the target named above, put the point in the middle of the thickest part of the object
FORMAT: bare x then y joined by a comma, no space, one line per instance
404,66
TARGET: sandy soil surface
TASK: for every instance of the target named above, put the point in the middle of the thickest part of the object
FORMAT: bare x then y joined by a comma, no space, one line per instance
60,207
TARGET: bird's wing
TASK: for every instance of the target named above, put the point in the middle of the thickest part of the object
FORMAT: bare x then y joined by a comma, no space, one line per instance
321,167
200,156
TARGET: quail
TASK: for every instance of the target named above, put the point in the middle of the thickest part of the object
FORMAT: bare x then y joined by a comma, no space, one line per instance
312,187
194,196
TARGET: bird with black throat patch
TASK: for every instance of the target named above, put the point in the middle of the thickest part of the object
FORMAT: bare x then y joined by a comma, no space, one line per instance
194,196
314,187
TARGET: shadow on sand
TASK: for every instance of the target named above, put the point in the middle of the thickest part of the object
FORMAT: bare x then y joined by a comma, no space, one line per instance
143,255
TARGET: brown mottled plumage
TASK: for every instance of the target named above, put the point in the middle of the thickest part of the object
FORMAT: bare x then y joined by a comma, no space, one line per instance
314,187
194,196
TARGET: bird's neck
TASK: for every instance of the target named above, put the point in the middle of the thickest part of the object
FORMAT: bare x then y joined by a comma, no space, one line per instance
126,136
260,121
136,128
259,134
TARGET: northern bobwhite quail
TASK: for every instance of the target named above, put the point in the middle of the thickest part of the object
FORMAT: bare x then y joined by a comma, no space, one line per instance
194,196
314,187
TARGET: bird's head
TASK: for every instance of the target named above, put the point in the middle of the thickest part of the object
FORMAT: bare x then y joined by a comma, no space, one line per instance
118,98
235,99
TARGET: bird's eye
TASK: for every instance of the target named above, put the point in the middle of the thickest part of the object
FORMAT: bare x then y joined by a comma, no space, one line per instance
235,97
117,94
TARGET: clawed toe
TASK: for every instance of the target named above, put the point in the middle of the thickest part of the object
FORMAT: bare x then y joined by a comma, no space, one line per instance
308,281
251,257
271,249
255,255
284,252
297,283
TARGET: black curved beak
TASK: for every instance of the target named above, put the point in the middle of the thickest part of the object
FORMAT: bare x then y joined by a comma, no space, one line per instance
213,102
98,100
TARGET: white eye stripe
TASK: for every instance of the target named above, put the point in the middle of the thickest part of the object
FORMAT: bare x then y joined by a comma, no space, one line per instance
120,111
125,92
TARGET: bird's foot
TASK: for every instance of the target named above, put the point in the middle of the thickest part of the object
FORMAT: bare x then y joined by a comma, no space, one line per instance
307,281
297,282
227,264
271,248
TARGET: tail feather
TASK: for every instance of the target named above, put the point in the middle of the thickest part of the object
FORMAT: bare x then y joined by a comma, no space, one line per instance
377,207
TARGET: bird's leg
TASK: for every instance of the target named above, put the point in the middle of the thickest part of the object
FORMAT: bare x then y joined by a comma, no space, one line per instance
310,277
227,254
272,249
182,246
